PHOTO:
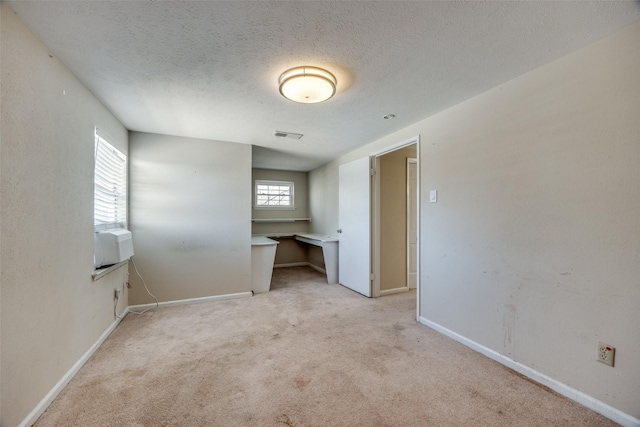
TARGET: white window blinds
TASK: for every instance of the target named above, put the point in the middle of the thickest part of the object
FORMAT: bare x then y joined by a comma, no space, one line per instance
110,185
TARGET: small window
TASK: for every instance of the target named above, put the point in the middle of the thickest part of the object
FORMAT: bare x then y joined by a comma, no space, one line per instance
110,185
274,195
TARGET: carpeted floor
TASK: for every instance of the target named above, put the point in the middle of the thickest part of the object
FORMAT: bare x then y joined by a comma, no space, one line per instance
304,354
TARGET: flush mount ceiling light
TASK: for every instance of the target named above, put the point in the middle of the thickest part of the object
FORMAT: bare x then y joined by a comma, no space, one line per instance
307,85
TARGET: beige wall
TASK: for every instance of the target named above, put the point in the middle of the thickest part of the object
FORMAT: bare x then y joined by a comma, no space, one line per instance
323,196
51,310
533,244
315,256
290,251
393,217
301,191
190,210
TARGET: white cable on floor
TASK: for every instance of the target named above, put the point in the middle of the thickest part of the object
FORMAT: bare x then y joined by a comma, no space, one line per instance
147,289
117,299
115,306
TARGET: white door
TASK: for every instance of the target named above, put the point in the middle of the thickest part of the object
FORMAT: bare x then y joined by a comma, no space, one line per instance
412,223
354,257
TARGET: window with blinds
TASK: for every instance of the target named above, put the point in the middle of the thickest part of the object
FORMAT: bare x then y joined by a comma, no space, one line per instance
274,194
110,185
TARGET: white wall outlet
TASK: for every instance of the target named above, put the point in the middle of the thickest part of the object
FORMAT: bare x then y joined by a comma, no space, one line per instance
116,293
606,354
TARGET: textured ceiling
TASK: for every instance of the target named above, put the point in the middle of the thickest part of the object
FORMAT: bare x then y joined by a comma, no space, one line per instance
210,69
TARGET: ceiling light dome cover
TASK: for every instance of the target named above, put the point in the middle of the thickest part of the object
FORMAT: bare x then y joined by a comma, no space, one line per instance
307,85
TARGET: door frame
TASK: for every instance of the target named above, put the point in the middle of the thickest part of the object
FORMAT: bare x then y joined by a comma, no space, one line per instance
412,161
375,216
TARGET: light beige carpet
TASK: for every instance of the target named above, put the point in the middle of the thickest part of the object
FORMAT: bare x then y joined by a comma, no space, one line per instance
304,354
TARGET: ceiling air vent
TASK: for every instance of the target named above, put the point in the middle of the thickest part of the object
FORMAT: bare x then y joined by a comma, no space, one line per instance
281,134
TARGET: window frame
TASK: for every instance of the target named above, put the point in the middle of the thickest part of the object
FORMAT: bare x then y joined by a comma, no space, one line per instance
289,184
104,149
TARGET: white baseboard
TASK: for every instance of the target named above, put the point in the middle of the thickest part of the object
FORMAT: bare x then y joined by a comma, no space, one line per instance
555,385
316,268
291,264
53,393
393,291
190,301
301,264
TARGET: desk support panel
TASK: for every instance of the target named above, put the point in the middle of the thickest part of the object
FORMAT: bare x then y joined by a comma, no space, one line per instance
329,247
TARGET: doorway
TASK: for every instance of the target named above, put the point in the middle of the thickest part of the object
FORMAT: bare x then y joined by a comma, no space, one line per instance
395,214
373,239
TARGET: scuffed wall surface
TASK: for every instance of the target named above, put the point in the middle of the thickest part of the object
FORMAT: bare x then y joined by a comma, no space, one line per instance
533,242
51,310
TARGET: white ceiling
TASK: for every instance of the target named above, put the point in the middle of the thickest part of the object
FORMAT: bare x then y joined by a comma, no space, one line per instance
210,69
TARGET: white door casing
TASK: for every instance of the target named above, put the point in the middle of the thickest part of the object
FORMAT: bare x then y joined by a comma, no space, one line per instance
412,223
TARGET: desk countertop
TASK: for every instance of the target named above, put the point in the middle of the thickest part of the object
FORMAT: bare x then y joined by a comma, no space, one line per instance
314,236
262,241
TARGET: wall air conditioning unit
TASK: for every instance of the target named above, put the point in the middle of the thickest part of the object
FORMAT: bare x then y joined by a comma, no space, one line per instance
112,246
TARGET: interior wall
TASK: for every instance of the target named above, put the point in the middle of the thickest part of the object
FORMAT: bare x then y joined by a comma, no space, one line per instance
51,311
315,256
290,251
190,215
533,244
323,196
393,217
301,200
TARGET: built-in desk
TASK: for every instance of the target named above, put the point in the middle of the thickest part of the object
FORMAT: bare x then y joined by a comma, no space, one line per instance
329,247
263,252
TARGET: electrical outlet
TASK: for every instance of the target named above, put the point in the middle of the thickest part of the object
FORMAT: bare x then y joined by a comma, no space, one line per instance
606,354
116,293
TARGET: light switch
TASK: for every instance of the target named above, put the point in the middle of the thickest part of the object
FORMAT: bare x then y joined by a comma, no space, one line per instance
433,196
